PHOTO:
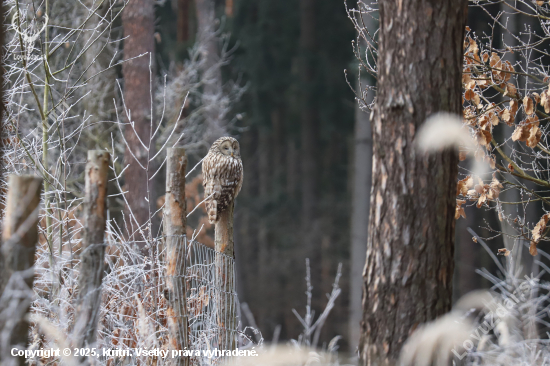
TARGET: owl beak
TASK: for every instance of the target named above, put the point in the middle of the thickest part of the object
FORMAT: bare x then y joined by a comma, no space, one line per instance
232,153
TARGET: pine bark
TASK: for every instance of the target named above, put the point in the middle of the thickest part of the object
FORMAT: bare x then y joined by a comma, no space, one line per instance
409,265
362,177
138,22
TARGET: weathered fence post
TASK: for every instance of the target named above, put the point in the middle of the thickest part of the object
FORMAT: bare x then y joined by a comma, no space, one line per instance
175,221
19,238
225,274
93,249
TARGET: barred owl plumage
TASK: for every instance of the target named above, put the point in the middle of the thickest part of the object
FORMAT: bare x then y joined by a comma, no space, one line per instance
222,174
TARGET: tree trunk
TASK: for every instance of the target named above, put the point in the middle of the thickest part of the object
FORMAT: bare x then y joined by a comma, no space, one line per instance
309,125
362,177
138,22
93,250
19,239
183,21
211,69
409,265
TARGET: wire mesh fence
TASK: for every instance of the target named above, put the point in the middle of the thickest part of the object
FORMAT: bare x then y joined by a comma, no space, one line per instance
205,278
147,293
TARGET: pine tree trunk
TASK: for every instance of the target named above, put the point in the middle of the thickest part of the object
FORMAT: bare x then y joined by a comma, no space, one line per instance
183,21
362,177
138,21
409,265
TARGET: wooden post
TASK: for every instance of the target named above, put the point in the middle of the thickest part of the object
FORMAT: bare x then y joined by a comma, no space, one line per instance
227,314
93,249
19,238
175,221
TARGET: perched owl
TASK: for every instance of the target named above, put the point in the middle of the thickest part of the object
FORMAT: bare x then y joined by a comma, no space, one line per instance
222,174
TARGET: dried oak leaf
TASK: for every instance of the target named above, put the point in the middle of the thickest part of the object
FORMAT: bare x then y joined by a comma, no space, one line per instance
459,209
484,137
535,135
521,133
492,161
493,118
537,98
510,90
494,188
477,101
482,191
539,228
507,117
545,101
487,192
505,252
463,185
528,105
533,249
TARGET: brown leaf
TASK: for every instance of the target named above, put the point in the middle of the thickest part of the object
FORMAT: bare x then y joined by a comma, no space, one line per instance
494,119
514,106
477,101
462,155
494,59
535,135
484,138
540,227
459,209
510,90
463,185
507,117
474,49
528,105
545,101
533,249
494,188
505,252
520,133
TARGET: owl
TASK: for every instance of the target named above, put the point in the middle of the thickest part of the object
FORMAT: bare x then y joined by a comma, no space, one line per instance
222,174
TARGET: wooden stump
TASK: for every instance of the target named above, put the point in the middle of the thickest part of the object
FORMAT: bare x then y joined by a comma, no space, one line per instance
19,238
227,313
175,221
93,249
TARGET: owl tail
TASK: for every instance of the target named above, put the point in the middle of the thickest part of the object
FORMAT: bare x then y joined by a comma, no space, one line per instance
213,212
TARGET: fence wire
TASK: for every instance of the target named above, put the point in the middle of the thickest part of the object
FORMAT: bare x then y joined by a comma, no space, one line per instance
206,279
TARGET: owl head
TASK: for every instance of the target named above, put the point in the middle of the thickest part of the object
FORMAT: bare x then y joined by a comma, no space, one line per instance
227,146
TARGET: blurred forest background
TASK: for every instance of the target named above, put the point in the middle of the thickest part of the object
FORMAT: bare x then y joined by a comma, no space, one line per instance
296,136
